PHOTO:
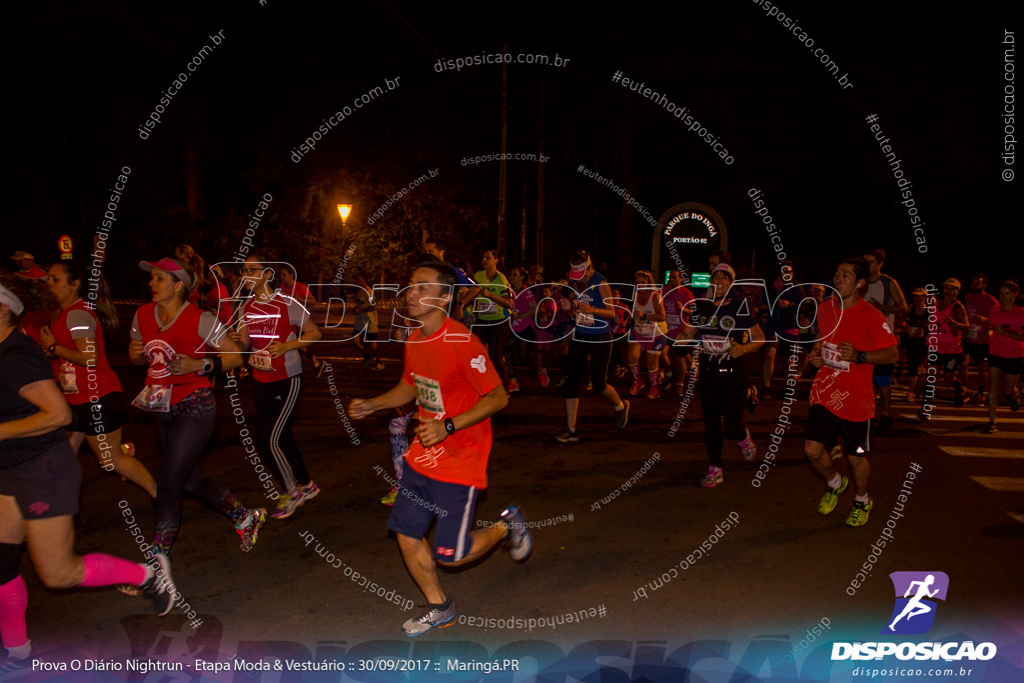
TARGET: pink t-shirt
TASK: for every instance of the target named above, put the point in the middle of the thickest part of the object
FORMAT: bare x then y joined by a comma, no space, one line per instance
978,303
943,337
1013,320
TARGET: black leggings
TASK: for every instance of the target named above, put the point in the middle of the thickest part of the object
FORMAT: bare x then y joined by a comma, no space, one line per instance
275,403
723,391
184,434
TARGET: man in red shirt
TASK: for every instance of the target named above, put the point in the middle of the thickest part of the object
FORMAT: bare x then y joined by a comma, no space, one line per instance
448,372
854,337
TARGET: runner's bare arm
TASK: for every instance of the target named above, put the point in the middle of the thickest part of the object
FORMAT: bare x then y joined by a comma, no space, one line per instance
54,411
397,396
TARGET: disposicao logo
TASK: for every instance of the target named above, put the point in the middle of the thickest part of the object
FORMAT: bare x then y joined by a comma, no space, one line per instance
914,613
916,595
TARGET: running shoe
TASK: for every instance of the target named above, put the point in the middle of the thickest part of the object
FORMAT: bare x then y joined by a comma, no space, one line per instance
287,504
439,618
654,392
959,398
309,491
543,375
1015,404
517,540
568,436
13,665
590,386
622,416
160,586
248,533
367,360
638,386
992,428
318,365
836,452
752,399
513,385
128,449
859,514
389,499
748,448
377,367
764,392
713,478
830,498
979,400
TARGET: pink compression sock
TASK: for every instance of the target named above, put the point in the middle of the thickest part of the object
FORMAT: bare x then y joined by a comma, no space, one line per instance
13,603
107,570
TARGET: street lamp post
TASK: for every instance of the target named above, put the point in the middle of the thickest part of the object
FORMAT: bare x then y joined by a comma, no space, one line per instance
344,210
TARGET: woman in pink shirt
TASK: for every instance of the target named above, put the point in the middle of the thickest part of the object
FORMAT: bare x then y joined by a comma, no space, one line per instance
1006,351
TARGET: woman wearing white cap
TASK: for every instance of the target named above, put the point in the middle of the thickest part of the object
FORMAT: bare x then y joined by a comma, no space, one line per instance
39,488
170,335
728,331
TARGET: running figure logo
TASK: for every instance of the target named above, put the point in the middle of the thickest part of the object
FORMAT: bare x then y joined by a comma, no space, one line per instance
916,593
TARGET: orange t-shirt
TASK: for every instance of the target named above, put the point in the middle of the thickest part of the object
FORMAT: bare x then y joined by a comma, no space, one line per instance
450,376
844,387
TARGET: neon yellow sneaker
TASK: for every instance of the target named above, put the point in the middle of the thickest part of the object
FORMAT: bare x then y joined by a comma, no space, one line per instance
830,498
389,499
859,513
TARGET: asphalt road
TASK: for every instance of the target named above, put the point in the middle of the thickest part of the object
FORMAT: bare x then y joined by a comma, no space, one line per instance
771,571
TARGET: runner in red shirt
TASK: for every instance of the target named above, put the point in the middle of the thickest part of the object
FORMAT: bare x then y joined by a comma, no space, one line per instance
448,371
300,292
75,343
275,327
854,337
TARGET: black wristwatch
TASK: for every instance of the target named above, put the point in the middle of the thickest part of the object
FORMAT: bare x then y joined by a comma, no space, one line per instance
862,357
449,426
51,351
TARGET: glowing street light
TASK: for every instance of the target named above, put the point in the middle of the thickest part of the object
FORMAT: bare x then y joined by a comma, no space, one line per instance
344,210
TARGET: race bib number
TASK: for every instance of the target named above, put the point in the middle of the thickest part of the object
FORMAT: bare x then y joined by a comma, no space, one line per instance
485,306
428,392
68,378
830,357
674,321
716,345
973,332
261,360
644,330
156,398
915,332
584,320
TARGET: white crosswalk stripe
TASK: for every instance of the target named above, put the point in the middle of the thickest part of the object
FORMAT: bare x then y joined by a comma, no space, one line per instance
983,452
1001,483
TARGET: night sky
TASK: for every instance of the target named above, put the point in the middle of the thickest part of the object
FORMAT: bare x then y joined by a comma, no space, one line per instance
83,77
